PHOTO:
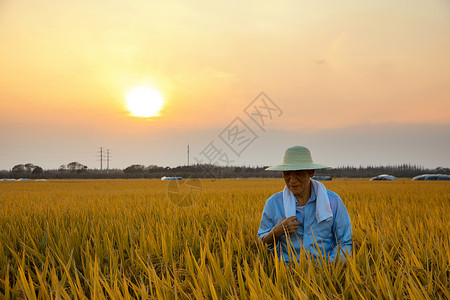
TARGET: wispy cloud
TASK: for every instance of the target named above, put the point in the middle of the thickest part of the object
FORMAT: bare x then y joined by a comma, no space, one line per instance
321,62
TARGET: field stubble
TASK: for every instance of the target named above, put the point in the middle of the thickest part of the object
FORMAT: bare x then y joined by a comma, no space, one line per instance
126,239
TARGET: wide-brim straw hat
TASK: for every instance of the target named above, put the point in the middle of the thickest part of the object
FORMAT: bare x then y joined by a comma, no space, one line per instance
297,158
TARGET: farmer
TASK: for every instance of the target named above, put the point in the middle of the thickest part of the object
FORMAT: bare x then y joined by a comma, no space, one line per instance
305,213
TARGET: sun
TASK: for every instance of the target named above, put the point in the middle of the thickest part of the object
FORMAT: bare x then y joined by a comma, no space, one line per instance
144,102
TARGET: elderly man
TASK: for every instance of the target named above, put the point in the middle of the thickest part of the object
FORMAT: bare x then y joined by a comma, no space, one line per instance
313,218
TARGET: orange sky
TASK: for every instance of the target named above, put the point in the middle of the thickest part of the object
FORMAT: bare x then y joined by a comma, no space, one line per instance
328,65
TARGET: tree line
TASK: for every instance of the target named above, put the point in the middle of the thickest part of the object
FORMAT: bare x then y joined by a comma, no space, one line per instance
76,170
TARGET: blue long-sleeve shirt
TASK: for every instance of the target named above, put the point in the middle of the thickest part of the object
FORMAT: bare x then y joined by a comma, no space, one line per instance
328,233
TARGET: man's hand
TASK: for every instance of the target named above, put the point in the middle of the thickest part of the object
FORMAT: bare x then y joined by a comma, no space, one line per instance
286,225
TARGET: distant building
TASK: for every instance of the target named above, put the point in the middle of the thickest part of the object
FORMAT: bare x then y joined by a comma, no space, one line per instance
383,177
432,177
171,178
322,178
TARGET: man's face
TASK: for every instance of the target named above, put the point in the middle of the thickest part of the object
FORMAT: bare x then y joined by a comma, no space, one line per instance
298,181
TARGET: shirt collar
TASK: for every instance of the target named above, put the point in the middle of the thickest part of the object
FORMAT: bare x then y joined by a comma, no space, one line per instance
311,198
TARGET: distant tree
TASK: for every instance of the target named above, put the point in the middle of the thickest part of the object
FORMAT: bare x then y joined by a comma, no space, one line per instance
62,168
38,170
134,169
442,170
26,170
19,168
29,167
76,167
154,169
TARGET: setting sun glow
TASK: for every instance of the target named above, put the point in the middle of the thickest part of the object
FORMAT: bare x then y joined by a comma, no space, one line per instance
144,102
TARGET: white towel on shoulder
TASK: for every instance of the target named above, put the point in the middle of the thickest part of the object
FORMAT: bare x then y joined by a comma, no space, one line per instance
323,208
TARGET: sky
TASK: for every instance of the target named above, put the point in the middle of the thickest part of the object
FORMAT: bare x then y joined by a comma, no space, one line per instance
357,82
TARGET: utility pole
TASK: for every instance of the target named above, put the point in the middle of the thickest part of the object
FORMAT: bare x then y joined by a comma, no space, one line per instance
188,155
107,160
101,159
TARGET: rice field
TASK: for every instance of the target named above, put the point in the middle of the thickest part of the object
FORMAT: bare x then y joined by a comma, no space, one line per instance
95,239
